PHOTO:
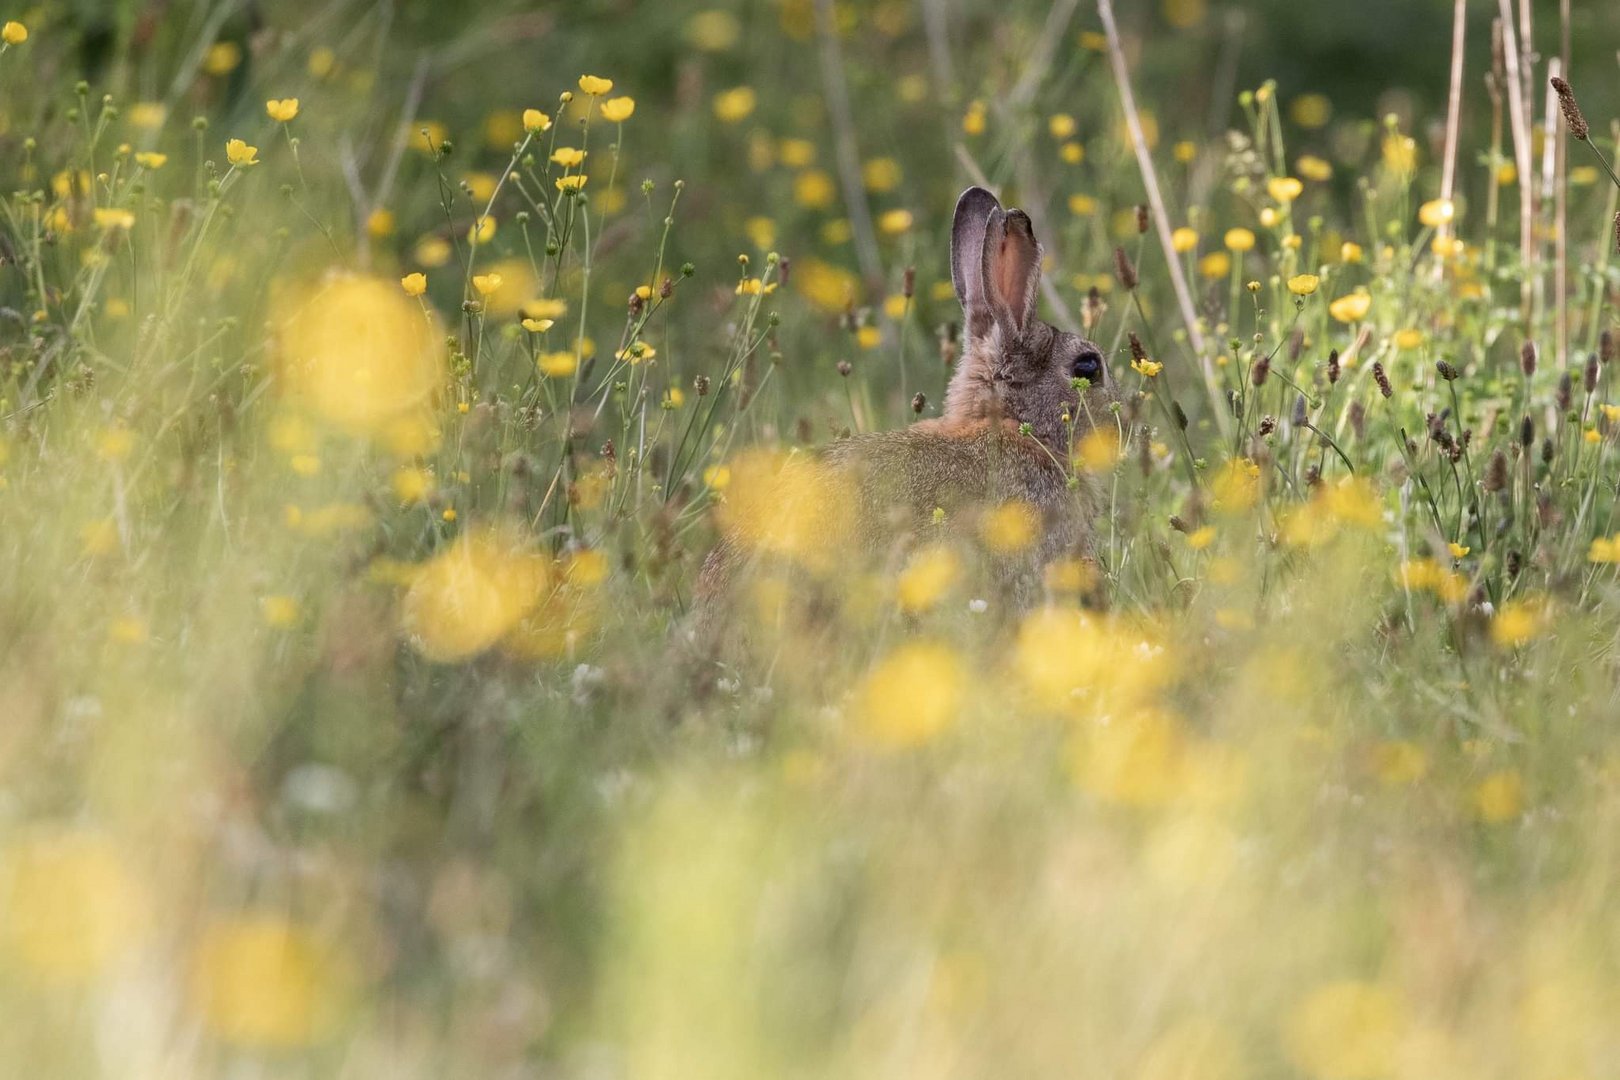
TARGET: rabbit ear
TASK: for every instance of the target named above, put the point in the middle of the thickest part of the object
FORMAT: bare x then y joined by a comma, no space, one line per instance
1012,270
973,212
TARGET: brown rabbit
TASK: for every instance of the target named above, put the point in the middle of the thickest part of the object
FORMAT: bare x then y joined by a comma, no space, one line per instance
1012,411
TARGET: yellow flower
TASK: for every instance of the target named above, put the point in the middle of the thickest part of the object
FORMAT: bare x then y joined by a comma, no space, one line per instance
927,578
1437,212
111,218
1604,550
380,222
1148,369
1347,1030
261,981
1408,339
73,903
1072,153
868,337
1303,284
1311,110
1350,252
881,175
731,106
568,156
282,110
151,159
1184,239
545,309
618,110
1516,622
894,222
537,326
571,183
411,485
910,697
1458,551
973,119
1499,797
674,398
1239,239
148,114
1284,189
222,58
1201,538
414,284
1185,151
535,121
1082,205
1062,126
557,365
278,611
595,85
1592,435
482,231
1268,217
1312,167
240,154
1351,308
1215,265
1400,153
717,477
1010,527
13,33
1098,451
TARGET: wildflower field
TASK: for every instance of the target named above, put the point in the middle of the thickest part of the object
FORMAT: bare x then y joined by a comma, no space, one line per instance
376,377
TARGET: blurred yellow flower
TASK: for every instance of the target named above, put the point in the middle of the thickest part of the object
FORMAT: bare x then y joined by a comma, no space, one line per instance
151,159
482,231
1499,797
1312,167
240,154
282,110
713,31
545,308
1099,450
13,33
557,365
486,283
595,85
466,598
910,697
1311,110
1184,239
1347,1030
1350,253
881,175
1062,126
262,981
1082,205
411,485
222,58
355,351
1010,527
1215,265
1303,284
71,903
894,222
734,105
538,326
1284,189
1437,212
380,223
618,110
107,217
1516,622
927,577
1351,308
278,611
973,119
1604,550
1239,239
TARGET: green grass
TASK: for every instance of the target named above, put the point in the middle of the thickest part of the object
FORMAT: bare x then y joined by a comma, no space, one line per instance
349,720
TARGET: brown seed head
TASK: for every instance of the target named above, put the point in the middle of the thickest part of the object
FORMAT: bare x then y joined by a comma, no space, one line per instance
1381,377
1572,109
1141,218
1137,351
1262,368
1527,358
1125,270
1333,367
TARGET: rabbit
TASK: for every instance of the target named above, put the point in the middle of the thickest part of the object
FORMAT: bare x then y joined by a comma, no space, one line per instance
1013,408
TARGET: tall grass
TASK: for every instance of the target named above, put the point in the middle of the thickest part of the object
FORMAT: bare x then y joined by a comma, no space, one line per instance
359,451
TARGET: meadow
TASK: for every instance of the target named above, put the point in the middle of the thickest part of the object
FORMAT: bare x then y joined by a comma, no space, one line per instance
375,377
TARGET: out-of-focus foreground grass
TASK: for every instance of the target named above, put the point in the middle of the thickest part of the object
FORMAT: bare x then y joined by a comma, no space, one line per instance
370,382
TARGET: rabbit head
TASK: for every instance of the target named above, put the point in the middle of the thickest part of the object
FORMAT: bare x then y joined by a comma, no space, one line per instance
1014,366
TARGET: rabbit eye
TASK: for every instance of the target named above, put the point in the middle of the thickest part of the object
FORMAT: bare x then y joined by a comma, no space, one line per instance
1088,365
